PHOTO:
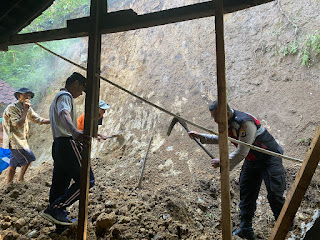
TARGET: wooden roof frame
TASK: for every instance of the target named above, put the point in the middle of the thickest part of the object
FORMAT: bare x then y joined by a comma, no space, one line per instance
17,14
101,22
126,20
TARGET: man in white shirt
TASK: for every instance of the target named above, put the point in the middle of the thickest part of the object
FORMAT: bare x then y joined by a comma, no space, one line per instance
66,151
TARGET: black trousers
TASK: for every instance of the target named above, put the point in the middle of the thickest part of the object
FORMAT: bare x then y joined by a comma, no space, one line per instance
272,172
67,166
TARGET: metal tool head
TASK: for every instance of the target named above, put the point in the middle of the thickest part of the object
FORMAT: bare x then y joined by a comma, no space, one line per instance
173,122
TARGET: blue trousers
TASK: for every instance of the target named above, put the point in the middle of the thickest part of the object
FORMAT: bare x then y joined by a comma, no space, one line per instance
67,166
252,173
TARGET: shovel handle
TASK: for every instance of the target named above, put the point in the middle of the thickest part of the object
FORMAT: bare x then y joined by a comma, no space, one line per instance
197,140
200,144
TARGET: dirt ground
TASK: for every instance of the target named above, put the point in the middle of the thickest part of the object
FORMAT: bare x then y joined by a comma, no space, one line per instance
173,66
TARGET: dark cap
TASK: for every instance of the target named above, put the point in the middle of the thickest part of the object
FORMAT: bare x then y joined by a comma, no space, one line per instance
214,106
76,77
23,90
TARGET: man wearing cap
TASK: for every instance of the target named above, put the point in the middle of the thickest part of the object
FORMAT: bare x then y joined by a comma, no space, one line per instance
103,106
66,151
257,166
16,118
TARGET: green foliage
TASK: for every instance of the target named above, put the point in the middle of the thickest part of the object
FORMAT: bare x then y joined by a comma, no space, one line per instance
29,65
308,49
57,15
291,48
302,139
32,67
315,43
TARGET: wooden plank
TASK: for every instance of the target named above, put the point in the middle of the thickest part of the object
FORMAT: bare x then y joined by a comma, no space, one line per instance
298,190
116,22
128,20
169,16
91,109
223,124
49,35
186,13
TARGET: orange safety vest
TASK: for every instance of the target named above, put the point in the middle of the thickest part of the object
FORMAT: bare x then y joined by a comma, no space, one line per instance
80,121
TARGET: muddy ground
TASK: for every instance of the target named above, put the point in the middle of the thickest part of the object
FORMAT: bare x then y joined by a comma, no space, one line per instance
173,66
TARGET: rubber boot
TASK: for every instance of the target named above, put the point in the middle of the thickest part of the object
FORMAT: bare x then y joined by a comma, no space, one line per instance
245,230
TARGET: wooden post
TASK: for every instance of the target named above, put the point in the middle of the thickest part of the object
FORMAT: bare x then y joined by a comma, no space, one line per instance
98,7
222,123
298,190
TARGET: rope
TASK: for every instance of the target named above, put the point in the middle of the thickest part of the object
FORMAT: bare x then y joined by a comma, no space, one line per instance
175,115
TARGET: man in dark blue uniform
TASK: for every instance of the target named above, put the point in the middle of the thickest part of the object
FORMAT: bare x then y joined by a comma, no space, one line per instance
257,166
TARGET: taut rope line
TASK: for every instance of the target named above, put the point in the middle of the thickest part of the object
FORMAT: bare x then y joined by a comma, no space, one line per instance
174,115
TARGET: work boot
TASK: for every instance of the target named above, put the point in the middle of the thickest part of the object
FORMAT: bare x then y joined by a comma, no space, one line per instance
245,230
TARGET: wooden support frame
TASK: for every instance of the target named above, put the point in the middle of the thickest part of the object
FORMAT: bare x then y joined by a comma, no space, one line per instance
100,22
223,124
91,109
298,190
128,20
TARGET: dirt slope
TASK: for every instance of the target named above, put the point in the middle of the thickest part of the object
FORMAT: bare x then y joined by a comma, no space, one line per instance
174,66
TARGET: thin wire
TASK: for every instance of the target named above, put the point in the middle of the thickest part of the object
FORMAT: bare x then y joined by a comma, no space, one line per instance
175,115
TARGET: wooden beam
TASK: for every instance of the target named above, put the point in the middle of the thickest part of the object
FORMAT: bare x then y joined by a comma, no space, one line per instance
116,22
125,20
298,190
223,124
186,13
91,109
43,36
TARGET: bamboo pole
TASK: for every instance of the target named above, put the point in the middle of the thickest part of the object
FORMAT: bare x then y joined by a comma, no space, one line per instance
223,124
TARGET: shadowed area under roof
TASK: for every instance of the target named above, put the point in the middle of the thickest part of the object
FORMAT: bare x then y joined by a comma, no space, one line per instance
17,14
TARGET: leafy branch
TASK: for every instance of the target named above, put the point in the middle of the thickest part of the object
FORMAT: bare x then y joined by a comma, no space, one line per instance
307,49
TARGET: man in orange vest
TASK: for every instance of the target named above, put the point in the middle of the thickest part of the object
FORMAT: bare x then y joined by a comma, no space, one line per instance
103,106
